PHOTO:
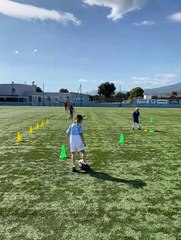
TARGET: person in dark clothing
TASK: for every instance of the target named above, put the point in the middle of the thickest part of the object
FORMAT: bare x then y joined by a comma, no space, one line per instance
71,110
65,106
136,119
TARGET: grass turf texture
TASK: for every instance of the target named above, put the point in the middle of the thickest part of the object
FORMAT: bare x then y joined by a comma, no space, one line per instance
133,191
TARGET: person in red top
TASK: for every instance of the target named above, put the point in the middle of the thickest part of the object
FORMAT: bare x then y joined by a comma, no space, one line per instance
68,105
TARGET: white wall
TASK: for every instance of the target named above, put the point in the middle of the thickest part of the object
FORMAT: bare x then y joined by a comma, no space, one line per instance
19,89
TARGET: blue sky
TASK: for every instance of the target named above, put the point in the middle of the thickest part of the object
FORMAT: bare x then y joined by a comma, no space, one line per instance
65,43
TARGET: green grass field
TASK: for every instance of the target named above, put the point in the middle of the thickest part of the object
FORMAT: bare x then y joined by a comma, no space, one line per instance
133,191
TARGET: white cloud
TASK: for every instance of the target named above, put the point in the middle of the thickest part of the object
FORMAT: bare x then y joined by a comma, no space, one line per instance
168,76
143,81
29,12
118,84
118,7
140,79
157,80
176,17
144,23
83,80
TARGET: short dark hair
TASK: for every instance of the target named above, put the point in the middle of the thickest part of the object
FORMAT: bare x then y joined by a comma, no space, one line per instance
79,117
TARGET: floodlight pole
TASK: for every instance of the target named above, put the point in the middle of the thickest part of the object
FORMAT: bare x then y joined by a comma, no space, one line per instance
43,94
13,88
80,95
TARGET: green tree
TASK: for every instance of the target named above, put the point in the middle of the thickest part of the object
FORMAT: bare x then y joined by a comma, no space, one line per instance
126,95
106,89
119,97
174,94
63,90
136,92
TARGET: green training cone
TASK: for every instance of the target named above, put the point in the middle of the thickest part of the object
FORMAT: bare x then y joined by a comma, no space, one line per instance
152,130
121,138
151,120
63,152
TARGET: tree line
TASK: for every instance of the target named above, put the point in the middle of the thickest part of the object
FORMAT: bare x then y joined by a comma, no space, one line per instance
106,92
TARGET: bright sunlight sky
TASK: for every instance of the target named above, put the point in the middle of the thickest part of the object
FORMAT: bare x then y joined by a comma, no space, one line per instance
65,43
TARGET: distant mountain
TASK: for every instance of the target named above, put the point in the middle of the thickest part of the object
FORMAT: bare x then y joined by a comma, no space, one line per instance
163,90
154,91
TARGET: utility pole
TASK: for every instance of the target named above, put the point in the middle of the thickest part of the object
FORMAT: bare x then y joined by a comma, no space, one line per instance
13,88
81,95
43,94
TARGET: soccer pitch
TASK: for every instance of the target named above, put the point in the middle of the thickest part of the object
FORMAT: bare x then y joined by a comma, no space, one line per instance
132,192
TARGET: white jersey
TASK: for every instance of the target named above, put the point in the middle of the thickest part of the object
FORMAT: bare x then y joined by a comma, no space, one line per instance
74,132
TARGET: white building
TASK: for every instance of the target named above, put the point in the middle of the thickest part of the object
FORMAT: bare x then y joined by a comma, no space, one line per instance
24,94
147,97
59,98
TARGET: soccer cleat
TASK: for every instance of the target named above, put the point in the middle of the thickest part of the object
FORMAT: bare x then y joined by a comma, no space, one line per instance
74,169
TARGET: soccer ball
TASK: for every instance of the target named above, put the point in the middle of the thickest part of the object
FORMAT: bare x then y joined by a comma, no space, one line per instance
83,166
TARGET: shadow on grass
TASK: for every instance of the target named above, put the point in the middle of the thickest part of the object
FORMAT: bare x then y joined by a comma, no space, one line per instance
105,176
160,131
155,130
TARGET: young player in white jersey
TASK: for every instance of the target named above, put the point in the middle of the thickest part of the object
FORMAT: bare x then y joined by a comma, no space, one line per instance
76,141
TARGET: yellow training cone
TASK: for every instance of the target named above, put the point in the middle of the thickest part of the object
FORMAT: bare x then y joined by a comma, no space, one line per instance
37,126
47,121
31,130
19,137
42,124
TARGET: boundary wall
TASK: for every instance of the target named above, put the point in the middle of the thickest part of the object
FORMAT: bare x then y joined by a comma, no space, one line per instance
93,104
